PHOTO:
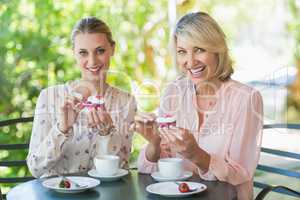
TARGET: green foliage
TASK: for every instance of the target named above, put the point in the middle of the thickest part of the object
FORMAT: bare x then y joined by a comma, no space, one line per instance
293,100
35,52
294,25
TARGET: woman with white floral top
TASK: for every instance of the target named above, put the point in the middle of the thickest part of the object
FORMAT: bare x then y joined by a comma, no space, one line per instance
66,135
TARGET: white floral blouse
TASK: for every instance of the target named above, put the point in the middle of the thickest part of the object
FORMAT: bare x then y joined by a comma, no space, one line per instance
51,152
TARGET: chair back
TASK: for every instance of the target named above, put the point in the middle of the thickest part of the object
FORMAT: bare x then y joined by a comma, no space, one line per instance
14,147
276,170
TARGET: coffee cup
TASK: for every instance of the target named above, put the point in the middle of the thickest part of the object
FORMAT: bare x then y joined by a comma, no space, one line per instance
170,167
107,165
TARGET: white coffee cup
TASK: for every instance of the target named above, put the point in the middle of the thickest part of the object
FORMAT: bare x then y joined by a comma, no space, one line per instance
107,165
170,167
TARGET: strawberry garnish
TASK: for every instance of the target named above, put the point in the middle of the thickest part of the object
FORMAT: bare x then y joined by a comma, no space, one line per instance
183,187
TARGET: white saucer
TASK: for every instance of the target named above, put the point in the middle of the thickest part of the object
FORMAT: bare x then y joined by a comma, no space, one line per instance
186,175
53,184
121,173
170,189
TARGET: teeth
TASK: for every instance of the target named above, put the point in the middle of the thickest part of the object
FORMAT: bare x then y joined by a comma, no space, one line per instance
197,70
94,69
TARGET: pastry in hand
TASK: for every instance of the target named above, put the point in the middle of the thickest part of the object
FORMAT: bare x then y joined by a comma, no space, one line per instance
167,121
96,102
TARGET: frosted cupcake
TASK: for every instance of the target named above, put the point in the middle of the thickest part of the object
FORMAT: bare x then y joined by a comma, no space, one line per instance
166,121
94,102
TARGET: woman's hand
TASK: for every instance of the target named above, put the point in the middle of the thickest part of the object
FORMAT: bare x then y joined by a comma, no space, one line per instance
184,143
180,140
146,126
100,120
69,113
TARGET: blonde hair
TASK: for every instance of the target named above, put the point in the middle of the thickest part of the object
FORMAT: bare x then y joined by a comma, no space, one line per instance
91,25
203,31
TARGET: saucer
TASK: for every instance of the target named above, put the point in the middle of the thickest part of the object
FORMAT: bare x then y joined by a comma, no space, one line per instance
121,173
170,189
53,184
186,175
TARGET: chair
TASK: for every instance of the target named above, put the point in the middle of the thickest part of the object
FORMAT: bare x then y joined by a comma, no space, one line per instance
15,163
271,169
277,188
0,194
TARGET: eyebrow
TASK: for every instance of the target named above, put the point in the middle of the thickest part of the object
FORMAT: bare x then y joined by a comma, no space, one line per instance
99,47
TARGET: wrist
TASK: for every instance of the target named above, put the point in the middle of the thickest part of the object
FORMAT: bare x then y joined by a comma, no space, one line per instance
111,130
105,131
201,158
62,129
154,145
156,139
156,142
152,152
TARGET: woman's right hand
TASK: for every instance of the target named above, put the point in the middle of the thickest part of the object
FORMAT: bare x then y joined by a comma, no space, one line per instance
69,113
145,125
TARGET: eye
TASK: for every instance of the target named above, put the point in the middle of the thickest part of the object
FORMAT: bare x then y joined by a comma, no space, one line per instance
199,50
100,51
82,53
180,51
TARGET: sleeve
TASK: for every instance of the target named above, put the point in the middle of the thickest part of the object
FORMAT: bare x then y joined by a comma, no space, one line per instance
168,105
121,139
241,160
147,167
46,143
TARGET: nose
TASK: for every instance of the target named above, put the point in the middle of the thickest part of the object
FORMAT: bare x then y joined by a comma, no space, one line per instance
190,60
92,60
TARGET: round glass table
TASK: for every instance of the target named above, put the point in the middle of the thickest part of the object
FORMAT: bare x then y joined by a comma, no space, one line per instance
131,187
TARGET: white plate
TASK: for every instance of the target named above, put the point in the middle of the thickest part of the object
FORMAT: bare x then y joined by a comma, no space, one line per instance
117,176
186,175
53,183
170,189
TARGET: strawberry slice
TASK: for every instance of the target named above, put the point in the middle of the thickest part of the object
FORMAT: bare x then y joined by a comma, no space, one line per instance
183,187
67,184
64,184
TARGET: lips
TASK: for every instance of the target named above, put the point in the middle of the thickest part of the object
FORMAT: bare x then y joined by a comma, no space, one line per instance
195,72
94,69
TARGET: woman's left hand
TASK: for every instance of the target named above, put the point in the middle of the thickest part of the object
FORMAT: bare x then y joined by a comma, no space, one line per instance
100,120
181,141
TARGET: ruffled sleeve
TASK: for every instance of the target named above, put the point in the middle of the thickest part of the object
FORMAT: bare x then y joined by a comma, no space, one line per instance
46,143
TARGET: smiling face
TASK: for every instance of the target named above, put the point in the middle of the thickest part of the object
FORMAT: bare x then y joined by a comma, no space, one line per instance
92,52
195,61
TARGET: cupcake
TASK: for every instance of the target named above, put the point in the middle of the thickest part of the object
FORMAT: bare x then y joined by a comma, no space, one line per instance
94,102
166,121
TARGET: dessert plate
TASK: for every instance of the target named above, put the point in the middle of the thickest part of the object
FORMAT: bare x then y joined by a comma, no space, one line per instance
170,189
86,182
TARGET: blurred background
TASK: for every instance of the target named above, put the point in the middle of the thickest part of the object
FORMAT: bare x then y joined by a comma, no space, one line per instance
263,37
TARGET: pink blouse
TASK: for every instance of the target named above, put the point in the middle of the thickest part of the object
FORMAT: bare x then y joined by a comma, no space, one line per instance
231,133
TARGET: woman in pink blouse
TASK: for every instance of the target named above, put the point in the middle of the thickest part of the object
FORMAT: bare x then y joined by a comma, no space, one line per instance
218,120
68,131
